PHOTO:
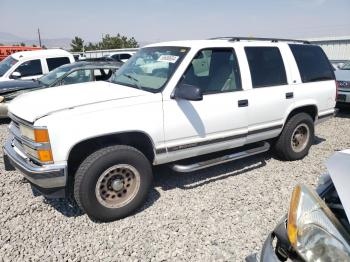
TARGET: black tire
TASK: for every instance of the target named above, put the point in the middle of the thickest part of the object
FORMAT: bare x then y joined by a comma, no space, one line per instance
95,166
284,145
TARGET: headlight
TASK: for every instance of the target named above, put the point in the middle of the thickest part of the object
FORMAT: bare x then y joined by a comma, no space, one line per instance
313,230
40,151
36,135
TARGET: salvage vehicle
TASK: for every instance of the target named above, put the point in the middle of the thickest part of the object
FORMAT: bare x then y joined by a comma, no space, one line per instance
317,226
343,79
78,72
33,64
211,101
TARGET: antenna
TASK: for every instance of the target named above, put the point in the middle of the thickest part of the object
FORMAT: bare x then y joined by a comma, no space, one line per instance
39,37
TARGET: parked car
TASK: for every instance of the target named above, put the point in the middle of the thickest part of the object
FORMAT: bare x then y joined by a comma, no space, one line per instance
337,64
215,101
317,227
343,78
122,56
33,64
74,73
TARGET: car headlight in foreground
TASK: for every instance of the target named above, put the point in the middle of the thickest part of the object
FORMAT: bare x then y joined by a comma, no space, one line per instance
313,230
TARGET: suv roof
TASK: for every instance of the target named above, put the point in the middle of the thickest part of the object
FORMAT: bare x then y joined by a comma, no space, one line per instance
40,53
227,41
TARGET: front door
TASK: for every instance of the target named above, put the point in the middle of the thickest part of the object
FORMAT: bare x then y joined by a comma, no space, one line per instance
217,122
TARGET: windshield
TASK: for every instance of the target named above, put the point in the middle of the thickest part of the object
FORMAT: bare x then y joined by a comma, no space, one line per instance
150,68
54,75
6,64
346,66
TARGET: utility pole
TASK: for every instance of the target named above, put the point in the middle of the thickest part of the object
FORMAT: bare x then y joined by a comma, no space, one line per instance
39,37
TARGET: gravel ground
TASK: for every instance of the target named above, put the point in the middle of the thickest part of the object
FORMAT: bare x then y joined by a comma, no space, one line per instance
223,213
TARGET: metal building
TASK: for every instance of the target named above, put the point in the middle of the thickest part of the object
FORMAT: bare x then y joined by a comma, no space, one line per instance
336,48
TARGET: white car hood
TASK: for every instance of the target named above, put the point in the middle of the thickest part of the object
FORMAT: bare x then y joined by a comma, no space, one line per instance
34,105
338,166
342,75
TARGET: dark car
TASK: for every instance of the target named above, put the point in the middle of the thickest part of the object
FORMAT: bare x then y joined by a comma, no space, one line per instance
317,226
78,72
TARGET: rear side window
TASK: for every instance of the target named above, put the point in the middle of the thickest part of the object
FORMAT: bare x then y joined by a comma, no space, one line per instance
55,62
266,66
312,62
125,56
30,68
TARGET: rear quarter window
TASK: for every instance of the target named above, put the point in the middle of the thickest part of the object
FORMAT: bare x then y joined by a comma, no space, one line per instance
55,62
312,62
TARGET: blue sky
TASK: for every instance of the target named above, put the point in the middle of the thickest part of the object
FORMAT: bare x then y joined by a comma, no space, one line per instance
160,20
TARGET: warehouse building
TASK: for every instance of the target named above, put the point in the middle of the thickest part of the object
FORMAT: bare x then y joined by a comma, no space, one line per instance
336,48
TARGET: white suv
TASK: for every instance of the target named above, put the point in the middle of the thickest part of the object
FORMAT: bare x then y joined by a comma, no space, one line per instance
33,64
221,99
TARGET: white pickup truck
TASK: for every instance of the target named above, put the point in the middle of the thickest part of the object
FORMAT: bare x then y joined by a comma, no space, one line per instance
190,104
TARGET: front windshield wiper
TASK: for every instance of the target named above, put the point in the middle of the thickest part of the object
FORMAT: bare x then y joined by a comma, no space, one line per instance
136,81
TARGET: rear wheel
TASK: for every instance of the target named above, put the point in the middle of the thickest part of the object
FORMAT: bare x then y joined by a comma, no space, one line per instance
112,182
296,138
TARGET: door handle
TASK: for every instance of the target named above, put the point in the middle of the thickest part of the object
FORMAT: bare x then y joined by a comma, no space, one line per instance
243,103
289,95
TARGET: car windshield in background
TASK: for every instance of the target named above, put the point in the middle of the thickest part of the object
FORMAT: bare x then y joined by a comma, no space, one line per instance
6,64
346,66
150,68
51,77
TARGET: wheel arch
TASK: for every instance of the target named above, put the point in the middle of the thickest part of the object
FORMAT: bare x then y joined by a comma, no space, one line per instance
82,149
310,109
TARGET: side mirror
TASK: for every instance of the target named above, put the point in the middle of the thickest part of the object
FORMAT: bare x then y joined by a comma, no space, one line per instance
187,92
16,75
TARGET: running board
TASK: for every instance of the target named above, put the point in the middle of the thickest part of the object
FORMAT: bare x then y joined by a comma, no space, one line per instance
220,160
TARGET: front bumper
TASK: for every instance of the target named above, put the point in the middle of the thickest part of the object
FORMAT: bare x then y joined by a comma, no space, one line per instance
267,253
343,96
3,110
47,178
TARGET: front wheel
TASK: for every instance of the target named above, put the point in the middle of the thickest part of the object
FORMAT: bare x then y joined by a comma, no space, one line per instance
296,138
112,182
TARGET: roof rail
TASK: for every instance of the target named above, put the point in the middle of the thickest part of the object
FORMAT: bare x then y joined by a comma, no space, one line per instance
273,40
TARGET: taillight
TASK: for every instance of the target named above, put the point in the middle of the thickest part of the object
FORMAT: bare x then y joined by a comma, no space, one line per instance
337,89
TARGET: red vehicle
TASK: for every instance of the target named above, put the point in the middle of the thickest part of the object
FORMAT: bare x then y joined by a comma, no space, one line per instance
8,50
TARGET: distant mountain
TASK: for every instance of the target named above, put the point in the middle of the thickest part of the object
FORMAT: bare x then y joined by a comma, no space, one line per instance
9,39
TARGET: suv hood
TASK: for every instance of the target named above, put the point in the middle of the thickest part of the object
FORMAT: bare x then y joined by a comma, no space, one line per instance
342,75
34,105
338,166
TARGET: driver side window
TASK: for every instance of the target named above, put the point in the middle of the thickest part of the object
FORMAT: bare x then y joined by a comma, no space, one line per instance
214,70
30,68
79,76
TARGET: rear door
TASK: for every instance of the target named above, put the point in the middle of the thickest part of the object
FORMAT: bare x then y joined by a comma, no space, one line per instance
271,94
316,85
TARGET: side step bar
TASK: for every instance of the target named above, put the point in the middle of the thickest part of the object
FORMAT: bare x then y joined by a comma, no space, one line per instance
220,160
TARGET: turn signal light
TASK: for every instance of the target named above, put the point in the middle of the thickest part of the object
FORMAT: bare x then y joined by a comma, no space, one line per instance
292,216
45,155
41,135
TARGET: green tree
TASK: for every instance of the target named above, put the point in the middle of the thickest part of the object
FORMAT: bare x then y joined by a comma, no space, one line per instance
118,41
77,44
22,44
90,46
1,44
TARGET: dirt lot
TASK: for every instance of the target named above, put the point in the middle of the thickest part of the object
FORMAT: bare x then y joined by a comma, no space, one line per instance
222,213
